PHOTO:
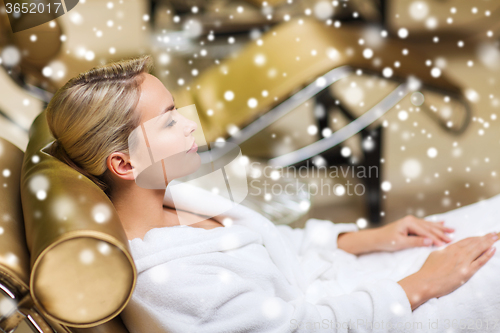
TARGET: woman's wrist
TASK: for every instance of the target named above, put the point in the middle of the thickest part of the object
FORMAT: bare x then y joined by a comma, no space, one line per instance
358,242
417,289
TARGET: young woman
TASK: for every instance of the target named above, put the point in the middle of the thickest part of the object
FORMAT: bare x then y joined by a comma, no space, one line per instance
247,274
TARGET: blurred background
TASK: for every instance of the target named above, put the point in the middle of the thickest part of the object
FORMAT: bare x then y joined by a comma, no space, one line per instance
409,88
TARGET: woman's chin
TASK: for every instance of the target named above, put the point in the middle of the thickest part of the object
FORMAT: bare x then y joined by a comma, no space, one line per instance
195,162
191,164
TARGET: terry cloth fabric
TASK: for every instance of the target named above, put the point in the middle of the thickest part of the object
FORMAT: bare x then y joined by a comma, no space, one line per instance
254,276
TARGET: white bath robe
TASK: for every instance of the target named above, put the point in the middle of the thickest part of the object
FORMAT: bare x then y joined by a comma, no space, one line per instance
253,276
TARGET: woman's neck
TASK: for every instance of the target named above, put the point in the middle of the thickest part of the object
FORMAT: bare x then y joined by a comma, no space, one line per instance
140,209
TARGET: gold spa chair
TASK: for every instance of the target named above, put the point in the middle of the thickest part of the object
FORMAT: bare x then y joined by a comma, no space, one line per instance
65,264
60,269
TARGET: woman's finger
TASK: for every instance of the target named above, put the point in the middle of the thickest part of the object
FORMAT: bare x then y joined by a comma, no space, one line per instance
420,231
415,241
483,259
439,233
482,244
435,230
440,224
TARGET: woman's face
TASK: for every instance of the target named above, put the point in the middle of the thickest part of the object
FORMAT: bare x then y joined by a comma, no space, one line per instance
167,134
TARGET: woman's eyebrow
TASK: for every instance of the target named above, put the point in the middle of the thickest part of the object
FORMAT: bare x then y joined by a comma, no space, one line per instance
169,108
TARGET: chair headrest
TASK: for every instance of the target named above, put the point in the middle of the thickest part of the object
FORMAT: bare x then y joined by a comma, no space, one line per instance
82,272
14,256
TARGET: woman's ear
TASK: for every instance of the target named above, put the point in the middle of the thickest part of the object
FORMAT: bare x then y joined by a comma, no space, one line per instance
119,165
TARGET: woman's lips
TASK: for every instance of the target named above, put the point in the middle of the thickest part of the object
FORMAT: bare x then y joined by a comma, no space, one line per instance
193,148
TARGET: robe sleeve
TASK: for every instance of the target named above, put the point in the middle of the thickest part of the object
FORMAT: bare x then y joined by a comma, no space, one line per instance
212,299
316,234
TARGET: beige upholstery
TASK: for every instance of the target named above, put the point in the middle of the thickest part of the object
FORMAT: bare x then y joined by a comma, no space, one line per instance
61,271
66,261
64,256
14,255
82,273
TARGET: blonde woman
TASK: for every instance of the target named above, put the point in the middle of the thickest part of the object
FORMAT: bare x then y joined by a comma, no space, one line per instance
250,275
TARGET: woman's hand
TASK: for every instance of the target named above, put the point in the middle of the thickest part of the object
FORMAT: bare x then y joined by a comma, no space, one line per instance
410,232
405,233
447,269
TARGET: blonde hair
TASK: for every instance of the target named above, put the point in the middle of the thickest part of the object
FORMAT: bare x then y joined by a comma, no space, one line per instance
93,114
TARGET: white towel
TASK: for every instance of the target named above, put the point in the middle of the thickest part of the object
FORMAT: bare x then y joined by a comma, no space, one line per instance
253,276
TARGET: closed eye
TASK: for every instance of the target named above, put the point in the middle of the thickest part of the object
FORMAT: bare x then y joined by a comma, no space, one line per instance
172,123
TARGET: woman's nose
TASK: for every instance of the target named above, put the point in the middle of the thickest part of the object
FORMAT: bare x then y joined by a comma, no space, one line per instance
191,126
